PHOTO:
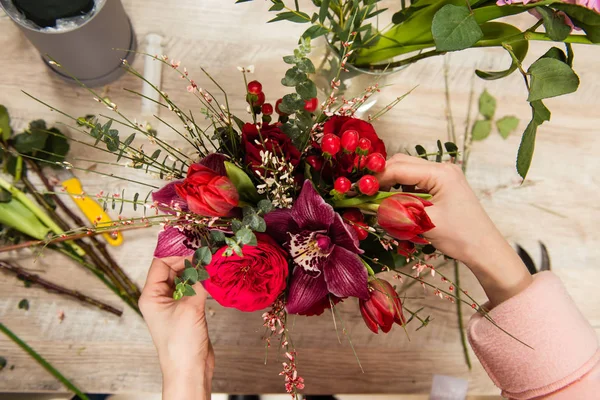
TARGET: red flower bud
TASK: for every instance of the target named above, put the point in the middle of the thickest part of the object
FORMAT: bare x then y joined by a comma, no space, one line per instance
406,248
350,140
330,144
342,184
315,162
364,145
360,162
277,110
267,109
403,217
375,162
353,215
254,87
368,185
311,105
383,308
361,229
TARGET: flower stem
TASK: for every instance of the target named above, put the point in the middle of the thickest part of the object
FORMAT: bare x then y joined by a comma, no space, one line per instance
459,314
42,361
35,279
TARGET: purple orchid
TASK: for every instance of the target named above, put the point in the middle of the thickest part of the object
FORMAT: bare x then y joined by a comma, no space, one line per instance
324,251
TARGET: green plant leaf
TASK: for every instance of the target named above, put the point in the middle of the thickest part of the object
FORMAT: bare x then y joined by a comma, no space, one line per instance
556,53
291,103
296,16
540,114
189,275
2,363
307,90
188,290
506,125
203,275
243,183
217,236
293,76
551,78
314,32
451,148
481,129
580,13
487,105
305,65
24,305
421,151
57,144
265,206
202,255
245,236
5,196
324,10
493,33
30,142
255,222
454,28
554,23
5,129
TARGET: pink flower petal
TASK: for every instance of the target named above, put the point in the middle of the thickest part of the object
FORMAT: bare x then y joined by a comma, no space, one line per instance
345,274
311,212
170,243
305,291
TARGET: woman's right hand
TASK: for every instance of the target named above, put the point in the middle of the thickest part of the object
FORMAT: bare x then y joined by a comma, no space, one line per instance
463,229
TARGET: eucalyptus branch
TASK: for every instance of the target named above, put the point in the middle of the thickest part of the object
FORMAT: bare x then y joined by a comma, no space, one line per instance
42,361
35,279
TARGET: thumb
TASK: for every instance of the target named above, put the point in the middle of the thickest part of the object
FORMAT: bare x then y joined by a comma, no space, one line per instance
407,170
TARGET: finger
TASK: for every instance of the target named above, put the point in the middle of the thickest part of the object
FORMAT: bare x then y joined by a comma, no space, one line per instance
408,172
159,277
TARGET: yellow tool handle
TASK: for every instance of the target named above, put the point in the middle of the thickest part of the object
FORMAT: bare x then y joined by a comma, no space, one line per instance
92,210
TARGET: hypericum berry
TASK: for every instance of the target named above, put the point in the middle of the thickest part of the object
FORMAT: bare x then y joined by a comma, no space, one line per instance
375,162
261,99
342,184
277,110
315,162
330,144
364,145
254,87
360,162
368,185
267,109
350,141
361,230
353,215
311,105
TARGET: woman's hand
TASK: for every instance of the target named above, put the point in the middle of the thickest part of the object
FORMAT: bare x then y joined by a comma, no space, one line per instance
179,332
463,229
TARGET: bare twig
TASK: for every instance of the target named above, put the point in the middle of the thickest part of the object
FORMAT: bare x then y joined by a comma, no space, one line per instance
35,279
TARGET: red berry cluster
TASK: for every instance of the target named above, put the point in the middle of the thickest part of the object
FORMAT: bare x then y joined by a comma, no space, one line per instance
356,219
256,99
349,148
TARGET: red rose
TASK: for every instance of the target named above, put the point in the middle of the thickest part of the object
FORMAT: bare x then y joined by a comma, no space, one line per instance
206,192
338,125
273,140
403,216
251,282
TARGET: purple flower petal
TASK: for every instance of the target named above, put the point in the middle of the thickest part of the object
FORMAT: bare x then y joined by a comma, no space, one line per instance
216,162
345,274
171,243
344,235
279,223
168,197
311,212
305,291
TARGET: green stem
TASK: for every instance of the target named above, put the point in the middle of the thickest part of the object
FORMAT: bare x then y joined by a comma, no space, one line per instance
459,314
569,39
406,61
42,361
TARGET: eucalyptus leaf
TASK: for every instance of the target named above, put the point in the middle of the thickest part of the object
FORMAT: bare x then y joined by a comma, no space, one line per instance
454,28
217,236
190,275
307,90
451,148
481,129
188,290
554,23
551,78
506,125
487,105
265,206
305,65
293,77
244,236
203,275
203,256
421,151
291,103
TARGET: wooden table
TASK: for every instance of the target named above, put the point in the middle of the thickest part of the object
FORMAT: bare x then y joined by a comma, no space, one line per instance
102,353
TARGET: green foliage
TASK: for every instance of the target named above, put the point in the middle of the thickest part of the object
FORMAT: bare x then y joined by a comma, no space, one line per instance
242,182
551,78
24,305
519,48
540,114
482,128
5,129
454,28
450,147
193,273
554,23
506,125
202,256
2,363
583,17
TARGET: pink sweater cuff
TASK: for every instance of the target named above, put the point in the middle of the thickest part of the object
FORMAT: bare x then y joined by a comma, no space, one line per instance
544,316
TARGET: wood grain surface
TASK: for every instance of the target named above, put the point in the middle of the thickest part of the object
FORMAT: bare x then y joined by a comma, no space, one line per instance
102,353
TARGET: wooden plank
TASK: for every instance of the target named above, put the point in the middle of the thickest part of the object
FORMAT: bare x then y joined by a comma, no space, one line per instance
103,353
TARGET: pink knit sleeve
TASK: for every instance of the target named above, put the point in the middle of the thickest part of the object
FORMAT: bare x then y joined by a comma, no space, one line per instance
563,362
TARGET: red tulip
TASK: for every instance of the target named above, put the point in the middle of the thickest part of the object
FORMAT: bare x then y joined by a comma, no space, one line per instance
383,308
403,217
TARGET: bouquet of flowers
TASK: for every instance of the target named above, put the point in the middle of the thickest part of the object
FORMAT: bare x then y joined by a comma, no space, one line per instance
280,210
